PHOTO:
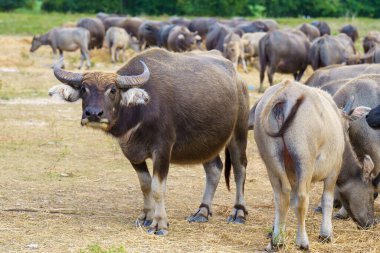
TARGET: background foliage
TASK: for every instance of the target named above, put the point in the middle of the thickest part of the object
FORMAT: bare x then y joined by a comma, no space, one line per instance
270,8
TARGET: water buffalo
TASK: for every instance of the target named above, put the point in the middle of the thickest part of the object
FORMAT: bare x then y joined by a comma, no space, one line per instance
251,44
310,31
351,32
215,36
284,52
180,21
372,55
131,25
65,39
372,39
149,33
323,27
233,50
373,118
270,23
155,107
252,27
301,137
96,29
201,25
336,72
328,50
117,39
180,39
113,21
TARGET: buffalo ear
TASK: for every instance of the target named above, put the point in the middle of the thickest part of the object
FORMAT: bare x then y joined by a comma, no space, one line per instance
65,92
359,112
181,36
134,96
368,169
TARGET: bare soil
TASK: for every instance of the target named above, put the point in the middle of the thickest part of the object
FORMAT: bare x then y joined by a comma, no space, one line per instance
64,187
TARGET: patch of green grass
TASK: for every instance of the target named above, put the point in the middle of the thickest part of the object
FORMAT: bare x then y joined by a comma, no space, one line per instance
98,249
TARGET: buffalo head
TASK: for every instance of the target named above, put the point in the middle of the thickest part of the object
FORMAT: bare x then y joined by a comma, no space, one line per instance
36,43
102,94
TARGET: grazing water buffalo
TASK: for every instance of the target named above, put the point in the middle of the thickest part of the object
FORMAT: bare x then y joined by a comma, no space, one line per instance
328,50
284,52
373,118
300,134
310,31
180,39
351,32
149,33
117,39
336,72
201,25
155,107
233,50
96,29
323,27
65,39
371,40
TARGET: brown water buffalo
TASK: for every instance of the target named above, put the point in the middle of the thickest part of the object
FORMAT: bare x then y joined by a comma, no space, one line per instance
310,31
301,137
371,40
251,44
113,21
329,50
351,32
284,52
252,27
180,39
233,50
270,23
131,25
149,33
215,36
322,26
336,72
157,108
180,21
96,29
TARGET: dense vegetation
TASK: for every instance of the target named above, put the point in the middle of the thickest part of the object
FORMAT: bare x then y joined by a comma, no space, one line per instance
270,8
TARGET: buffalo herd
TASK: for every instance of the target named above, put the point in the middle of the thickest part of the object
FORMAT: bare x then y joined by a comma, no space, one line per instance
188,107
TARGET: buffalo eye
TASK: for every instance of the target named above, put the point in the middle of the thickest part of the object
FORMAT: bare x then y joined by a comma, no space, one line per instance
113,90
82,89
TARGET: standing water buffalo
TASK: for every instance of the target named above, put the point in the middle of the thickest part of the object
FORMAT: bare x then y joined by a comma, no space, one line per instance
96,29
180,39
149,33
233,50
251,44
284,52
328,50
372,56
156,108
201,25
371,40
310,31
323,27
301,137
117,39
65,39
351,32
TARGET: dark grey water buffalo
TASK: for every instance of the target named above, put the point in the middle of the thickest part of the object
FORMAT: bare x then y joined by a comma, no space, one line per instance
284,52
351,32
149,33
201,25
180,21
301,137
156,107
323,27
336,72
328,50
371,40
131,25
215,36
180,39
252,27
96,29
310,31
65,39
164,35
270,23
373,118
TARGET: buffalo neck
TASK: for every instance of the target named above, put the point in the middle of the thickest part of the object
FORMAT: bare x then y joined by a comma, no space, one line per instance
351,167
127,118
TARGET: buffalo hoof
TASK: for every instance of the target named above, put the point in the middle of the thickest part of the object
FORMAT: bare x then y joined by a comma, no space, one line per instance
235,219
339,216
318,209
143,223
304,248
200,218
325,238
274,248
158,232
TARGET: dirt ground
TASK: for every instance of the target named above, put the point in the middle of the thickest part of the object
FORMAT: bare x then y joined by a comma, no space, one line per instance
65,188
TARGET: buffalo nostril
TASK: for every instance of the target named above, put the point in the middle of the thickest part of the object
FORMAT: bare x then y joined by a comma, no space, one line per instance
88,113
100,113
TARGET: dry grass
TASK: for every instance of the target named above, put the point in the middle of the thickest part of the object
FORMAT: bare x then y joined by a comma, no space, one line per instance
73,187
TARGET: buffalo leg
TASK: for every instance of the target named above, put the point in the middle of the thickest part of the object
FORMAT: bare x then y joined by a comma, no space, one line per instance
81,59
300,74
146,217
262,76
271,71
244,65
160,171
113,54
213,171
326,233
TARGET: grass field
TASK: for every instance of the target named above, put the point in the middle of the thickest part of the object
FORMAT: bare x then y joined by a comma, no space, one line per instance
64,188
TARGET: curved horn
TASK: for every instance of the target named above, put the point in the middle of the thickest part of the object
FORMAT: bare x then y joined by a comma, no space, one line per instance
66,77
347,108
134,81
